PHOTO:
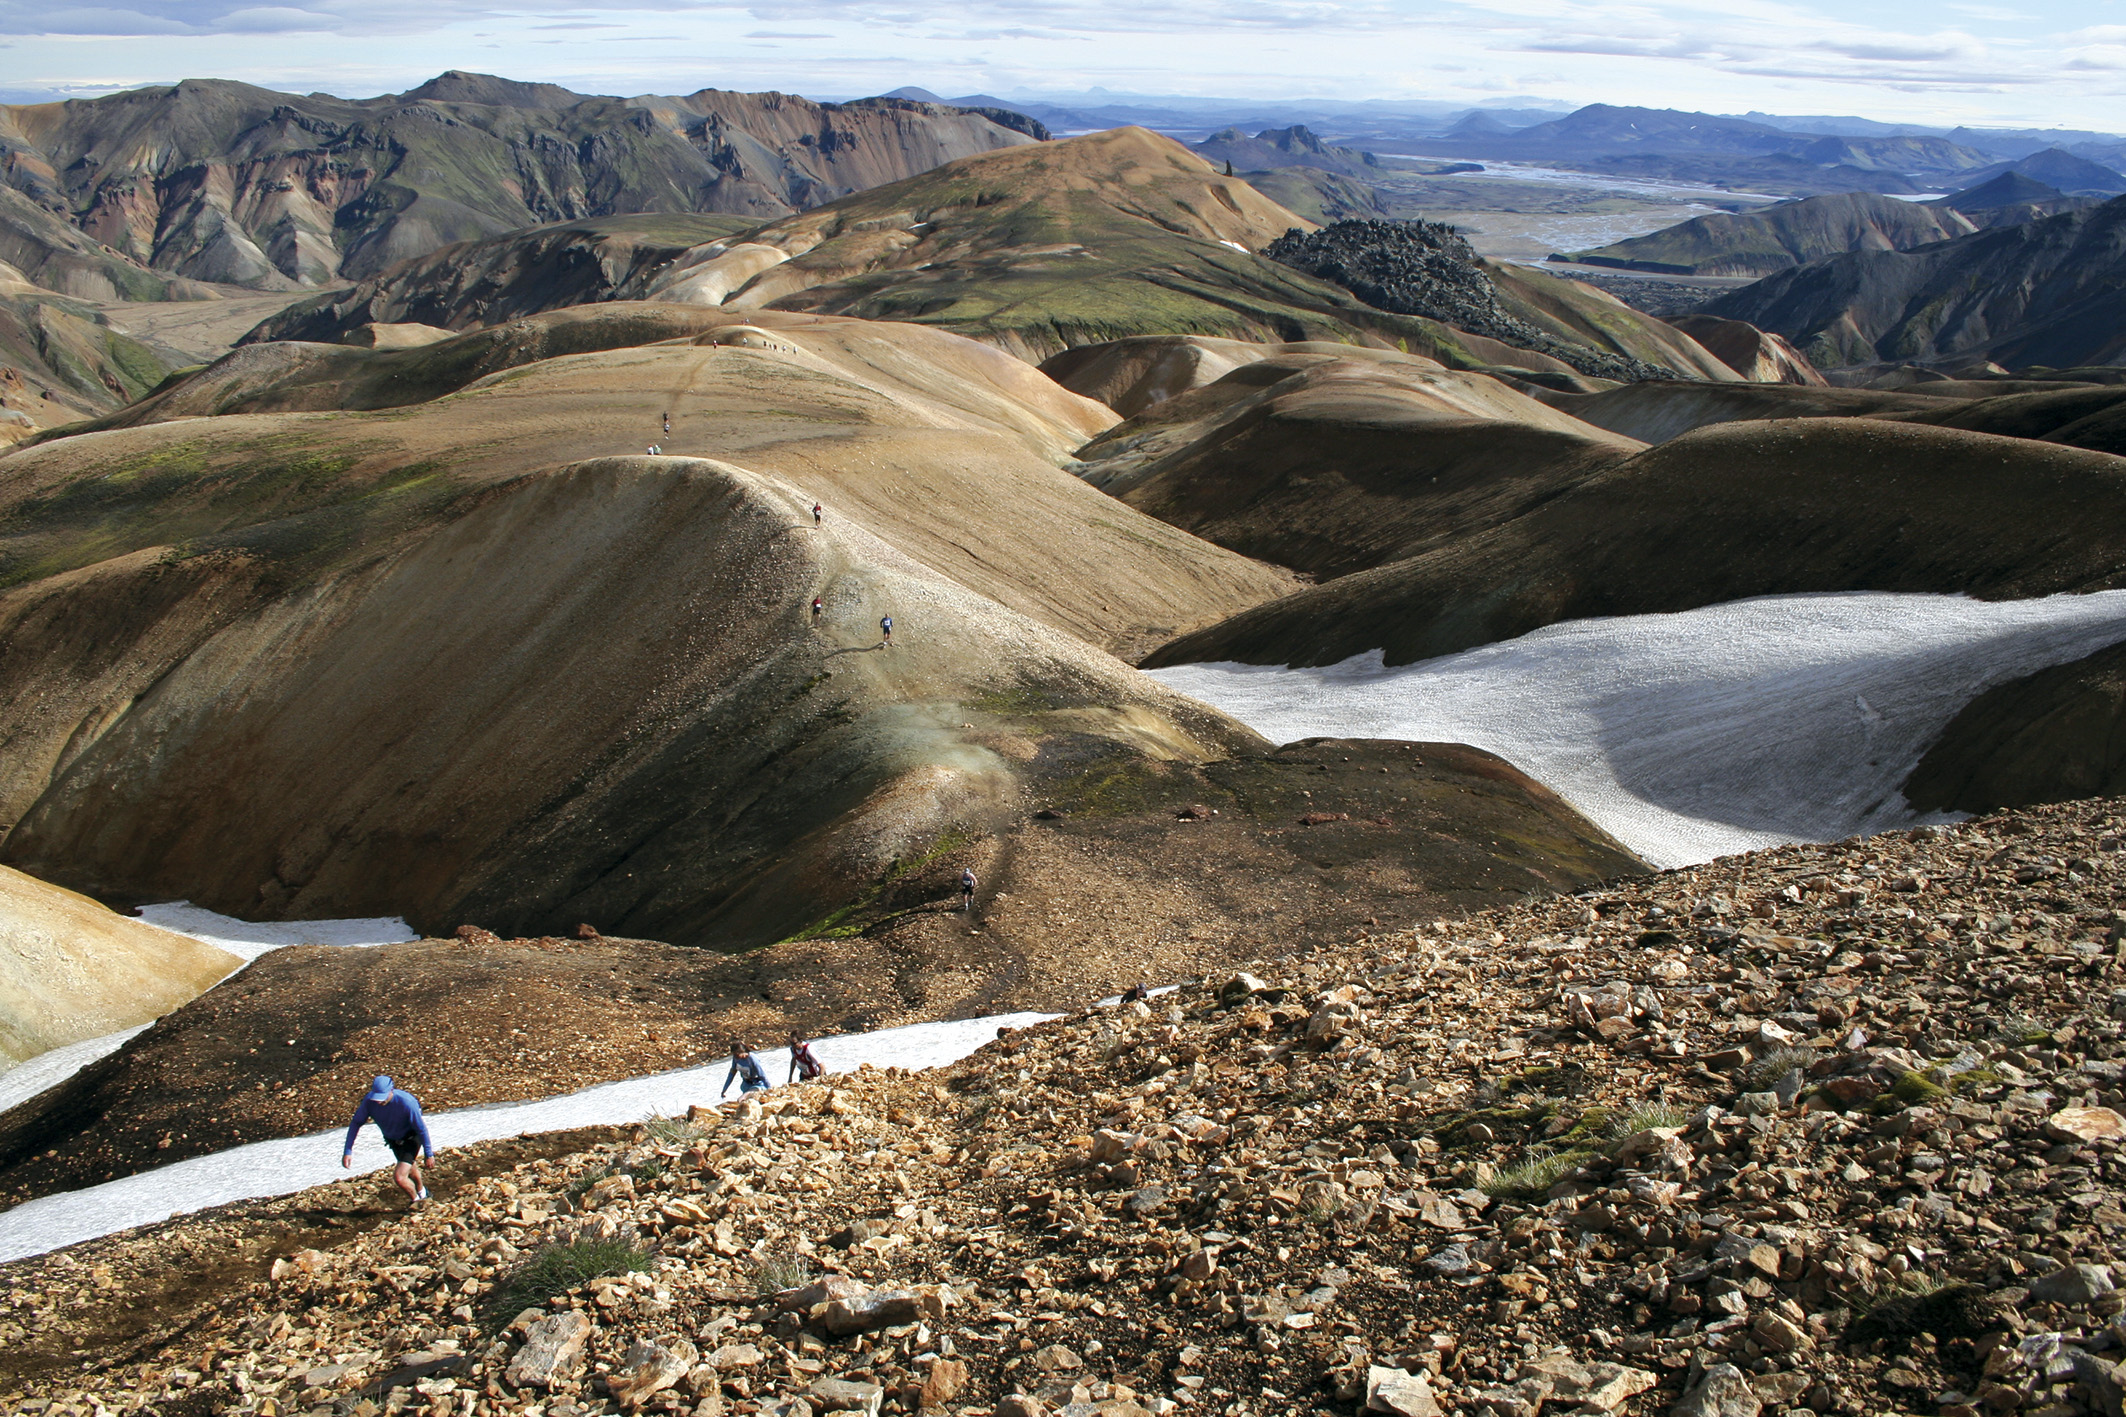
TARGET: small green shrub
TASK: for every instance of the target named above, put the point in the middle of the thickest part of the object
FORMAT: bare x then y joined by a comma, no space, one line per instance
559,1268
1912,1089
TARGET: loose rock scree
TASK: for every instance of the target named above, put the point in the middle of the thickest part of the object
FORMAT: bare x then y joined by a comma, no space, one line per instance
1833,1128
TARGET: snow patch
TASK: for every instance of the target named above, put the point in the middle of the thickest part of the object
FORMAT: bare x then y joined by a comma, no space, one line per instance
53,1067
274,1168
249,940
1693,735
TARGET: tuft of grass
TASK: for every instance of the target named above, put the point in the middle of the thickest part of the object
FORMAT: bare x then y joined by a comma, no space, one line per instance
773,1273
557,1269
1535,1173
1645,1118
580,1187
1763,1072
660,1130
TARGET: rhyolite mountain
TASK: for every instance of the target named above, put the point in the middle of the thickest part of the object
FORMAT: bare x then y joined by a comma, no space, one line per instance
2048,292
1034,249
223,182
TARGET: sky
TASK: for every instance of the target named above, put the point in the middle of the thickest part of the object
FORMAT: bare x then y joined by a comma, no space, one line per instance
2016,63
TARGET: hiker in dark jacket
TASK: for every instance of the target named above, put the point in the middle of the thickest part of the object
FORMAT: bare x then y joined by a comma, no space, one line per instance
397,1114
803,1066
745,1071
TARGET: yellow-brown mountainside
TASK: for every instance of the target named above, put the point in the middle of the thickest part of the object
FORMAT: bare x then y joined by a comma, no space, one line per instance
1331,460
1138,869
1758,357
1724,513
449,661
1520,1159
1579,314
71,969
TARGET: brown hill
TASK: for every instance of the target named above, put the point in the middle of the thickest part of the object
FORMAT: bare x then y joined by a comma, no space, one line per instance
1758,357
1723,513
72,970
2052,736
1657,410
661,746
2091,416
1333,462
223,182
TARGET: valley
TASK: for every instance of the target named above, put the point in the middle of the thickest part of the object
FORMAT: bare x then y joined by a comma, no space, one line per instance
1455,770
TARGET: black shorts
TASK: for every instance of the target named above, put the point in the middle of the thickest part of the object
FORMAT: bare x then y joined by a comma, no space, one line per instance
407,1149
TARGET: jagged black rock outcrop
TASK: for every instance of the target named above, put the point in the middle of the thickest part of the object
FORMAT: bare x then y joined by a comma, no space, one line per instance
1426,268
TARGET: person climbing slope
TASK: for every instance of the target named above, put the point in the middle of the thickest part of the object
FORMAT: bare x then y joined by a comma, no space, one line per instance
817,607
803,1066
967,884
745,1071
816,514
885,628
397,1114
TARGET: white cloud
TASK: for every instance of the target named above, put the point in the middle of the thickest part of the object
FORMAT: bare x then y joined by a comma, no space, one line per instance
1914,60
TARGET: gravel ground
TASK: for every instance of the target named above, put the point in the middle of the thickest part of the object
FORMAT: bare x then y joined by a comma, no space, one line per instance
1825,1128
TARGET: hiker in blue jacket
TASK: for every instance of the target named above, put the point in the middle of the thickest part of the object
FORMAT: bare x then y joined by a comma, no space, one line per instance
397,1114
745,1071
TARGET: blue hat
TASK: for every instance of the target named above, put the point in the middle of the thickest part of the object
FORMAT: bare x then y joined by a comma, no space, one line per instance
380,1089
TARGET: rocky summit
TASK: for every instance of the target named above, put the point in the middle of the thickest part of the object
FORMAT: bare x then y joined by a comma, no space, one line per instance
1424,268
1833,1129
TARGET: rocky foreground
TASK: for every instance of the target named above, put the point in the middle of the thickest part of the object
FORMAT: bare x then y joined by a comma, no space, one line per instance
1817,1130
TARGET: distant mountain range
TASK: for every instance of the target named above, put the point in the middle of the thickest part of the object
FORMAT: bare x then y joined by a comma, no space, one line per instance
2049,292
222,182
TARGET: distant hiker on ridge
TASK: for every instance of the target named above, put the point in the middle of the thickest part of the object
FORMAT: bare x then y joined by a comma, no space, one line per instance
668,425
803,1066
816,607
885,627
816,514
745,1070
967,884
397,1114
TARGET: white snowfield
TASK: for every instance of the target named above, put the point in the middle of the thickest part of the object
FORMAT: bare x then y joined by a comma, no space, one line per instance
249,941
274,1168
1694,735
